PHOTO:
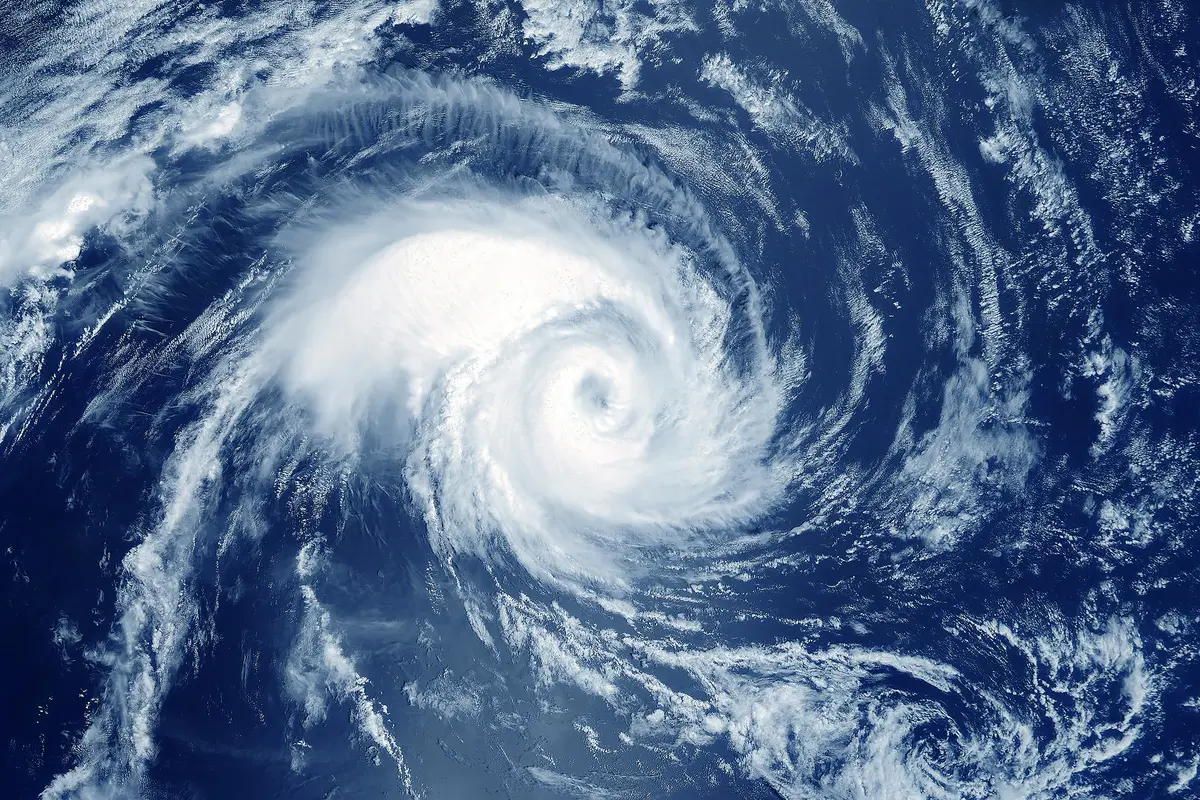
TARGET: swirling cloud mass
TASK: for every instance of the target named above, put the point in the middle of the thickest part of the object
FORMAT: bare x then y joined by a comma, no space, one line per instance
573,388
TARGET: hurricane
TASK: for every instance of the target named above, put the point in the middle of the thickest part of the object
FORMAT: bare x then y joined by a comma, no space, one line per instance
600,400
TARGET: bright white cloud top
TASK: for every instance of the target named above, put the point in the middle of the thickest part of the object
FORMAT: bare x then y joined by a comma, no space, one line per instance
572,388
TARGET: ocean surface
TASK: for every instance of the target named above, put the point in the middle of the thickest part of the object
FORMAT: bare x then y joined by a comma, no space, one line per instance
635,399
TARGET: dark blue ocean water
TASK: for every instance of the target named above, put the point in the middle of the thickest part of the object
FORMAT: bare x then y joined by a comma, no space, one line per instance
965,503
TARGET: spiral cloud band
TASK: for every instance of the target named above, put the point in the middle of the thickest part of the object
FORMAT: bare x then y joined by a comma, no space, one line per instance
567,377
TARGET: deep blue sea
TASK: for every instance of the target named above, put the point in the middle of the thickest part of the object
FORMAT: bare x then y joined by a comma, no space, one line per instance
571,399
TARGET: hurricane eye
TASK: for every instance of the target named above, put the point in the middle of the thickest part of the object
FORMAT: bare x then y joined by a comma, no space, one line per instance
595,392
